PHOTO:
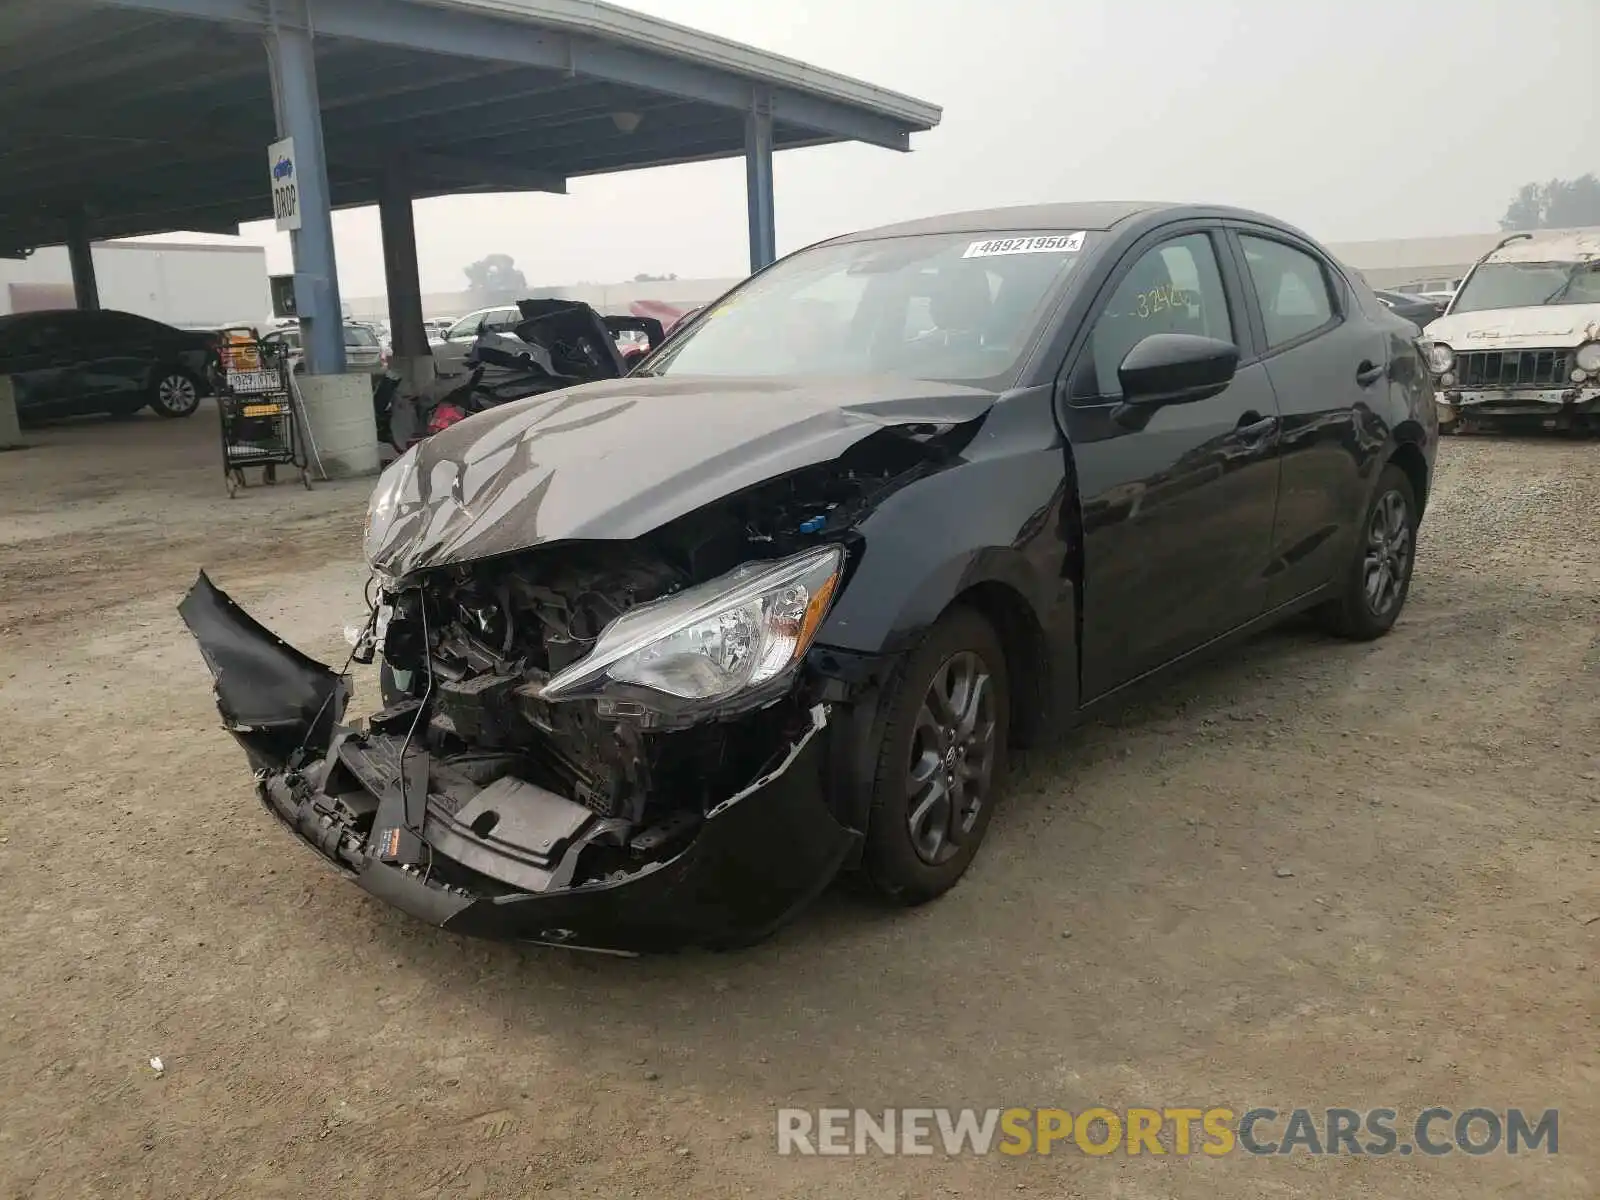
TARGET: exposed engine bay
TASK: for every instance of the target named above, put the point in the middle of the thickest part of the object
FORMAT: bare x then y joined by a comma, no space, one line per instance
601,741
472,648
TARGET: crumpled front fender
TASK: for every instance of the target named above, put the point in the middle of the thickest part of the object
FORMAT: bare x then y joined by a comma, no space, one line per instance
279,703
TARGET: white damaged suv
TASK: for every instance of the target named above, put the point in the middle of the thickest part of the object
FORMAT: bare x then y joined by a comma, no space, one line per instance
1520,341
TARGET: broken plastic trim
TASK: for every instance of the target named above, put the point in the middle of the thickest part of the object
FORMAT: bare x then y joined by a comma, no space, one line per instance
819,719
279,703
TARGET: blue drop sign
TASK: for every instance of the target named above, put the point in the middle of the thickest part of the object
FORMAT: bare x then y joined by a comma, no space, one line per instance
285,187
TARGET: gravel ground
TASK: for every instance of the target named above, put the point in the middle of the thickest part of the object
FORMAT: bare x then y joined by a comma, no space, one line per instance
1314,874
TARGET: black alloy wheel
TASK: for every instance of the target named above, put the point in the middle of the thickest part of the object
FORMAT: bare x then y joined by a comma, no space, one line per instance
952,758
1387,565
1375,587
943,723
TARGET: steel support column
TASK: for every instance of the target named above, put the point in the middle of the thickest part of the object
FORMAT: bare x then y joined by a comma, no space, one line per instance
412,356
758,180
80,256
293,68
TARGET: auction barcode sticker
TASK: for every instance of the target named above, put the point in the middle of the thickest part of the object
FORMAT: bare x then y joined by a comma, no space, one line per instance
1054,243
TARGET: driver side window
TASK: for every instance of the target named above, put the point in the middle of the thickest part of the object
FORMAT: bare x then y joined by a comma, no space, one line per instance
1174,287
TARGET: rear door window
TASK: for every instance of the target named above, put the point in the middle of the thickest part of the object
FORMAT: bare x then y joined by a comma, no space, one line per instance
1292,288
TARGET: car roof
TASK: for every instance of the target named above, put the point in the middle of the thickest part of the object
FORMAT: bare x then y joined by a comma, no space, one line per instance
9,320
1088,215
1577,246
41,313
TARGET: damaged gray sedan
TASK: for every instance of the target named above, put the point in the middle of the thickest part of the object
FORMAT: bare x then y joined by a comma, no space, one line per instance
662,655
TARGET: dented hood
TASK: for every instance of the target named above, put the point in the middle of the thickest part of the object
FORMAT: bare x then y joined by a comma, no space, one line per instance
616,459
1541,327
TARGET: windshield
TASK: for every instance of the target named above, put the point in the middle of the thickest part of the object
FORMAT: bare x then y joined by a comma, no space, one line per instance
958,308
1529,285
359,337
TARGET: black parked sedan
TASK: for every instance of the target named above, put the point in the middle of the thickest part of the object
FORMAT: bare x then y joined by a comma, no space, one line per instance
70,362
665,654
1419,310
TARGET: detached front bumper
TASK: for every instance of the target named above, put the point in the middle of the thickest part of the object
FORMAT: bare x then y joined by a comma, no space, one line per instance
499,861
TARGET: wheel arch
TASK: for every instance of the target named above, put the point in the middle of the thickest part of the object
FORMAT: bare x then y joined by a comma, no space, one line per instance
1029,665
1409,458
993,584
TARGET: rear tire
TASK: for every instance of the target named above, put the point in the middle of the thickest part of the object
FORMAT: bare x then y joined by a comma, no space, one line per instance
174,393
1379,579
941,760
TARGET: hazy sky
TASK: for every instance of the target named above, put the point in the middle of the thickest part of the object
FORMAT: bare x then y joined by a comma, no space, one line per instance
1352,118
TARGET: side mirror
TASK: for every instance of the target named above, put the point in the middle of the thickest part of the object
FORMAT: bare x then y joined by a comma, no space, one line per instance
1176,368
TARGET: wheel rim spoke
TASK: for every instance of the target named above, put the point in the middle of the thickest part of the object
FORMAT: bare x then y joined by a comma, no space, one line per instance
974,702
929,822
952,757
938,701
1401,546
1388,553
924,773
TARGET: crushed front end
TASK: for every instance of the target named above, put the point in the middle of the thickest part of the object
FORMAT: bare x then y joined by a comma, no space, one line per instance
614,745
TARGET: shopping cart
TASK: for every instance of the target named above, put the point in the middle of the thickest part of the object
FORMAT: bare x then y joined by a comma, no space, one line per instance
261,422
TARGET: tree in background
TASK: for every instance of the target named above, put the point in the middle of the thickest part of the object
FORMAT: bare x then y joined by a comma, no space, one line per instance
643,278
496,280
1559,204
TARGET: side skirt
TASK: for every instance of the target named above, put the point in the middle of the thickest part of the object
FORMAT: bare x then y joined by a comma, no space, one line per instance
1124,693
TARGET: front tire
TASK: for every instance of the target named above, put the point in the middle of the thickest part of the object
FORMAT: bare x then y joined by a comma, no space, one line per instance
174,393
1378,581
941,760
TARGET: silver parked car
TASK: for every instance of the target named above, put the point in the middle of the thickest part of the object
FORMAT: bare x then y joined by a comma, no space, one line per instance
363,353
458,338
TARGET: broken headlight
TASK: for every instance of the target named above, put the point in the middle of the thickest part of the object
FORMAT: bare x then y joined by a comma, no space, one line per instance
739,635
1440,357
1588,357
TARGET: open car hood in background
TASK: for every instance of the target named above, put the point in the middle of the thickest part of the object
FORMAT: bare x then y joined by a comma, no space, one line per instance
616,459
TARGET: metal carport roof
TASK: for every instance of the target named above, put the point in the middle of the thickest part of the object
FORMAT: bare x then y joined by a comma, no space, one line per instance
138,116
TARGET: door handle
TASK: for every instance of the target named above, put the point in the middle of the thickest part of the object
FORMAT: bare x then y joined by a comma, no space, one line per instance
1253,427
1368,373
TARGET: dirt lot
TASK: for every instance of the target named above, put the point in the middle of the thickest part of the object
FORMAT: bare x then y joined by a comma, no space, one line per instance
1316,874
